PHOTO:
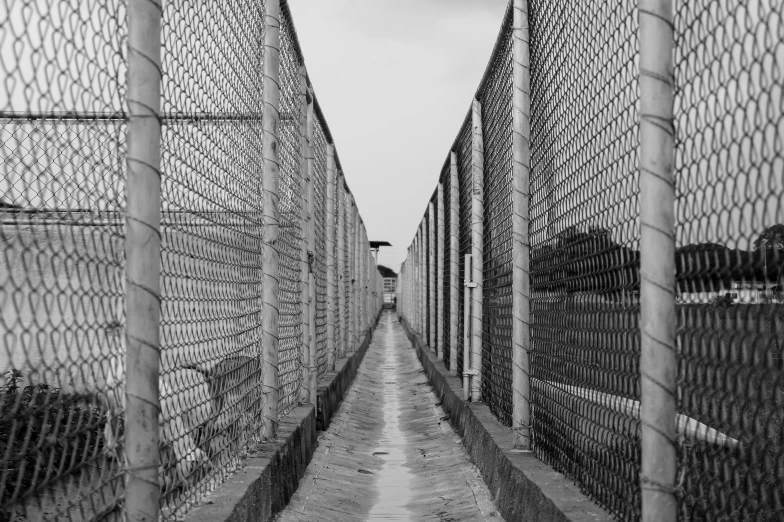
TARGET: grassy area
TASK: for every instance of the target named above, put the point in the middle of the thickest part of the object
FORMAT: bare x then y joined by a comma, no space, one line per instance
45,435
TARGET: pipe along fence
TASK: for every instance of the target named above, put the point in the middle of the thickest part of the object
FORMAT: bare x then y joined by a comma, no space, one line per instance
182,258
603,258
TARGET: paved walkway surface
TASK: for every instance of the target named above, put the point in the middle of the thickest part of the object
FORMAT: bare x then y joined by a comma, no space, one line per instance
390,453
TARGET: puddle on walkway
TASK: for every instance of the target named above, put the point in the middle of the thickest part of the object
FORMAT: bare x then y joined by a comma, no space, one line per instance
394,480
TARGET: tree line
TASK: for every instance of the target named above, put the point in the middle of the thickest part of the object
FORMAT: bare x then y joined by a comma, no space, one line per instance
590,261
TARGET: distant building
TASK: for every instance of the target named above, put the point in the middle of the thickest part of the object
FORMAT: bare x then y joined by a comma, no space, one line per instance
741,292
390,284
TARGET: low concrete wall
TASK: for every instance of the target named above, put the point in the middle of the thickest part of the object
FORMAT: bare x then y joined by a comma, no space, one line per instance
523,487
271,474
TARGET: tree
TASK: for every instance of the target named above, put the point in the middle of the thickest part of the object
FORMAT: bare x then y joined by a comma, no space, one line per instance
581,261
769,252
772,238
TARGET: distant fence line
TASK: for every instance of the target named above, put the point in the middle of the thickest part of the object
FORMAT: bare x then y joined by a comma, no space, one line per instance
163,209
602,261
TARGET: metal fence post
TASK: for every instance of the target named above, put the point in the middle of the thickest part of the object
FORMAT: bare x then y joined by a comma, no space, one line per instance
431,277
269,183
440,273
658,362
143,258
310,371
477,244
521,244
454,261
341,260
330,261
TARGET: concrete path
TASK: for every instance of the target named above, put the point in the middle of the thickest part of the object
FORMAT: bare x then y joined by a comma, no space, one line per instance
390,453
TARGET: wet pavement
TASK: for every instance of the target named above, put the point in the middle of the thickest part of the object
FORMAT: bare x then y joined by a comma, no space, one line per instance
390,453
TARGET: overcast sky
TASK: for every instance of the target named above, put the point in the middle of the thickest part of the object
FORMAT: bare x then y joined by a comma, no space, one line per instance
395,79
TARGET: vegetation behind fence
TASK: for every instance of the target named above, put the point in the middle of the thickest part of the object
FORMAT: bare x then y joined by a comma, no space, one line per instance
556,153
113,142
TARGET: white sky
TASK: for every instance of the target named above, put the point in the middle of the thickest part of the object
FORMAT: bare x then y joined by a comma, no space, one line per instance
395,79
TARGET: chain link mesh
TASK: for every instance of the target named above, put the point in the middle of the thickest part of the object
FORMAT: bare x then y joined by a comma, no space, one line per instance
730,253
346,269
463,152
62,172
426,273
320,259
433,223
338,331
584,236
62,202
211,247
290,240
496,100
446,276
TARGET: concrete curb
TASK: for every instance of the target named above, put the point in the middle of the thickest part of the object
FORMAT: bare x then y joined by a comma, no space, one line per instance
523,487
271,474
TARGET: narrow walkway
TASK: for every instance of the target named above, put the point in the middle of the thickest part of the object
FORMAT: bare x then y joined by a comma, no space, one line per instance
390,453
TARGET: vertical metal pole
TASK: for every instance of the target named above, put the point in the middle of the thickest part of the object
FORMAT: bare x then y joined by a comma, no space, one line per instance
269,183
341,272
331,272
143,254
431,275
305,116
477,244
454,261
658,362
440,320
467,328
521,244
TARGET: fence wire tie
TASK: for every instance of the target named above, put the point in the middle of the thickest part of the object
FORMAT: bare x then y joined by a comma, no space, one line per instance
652,485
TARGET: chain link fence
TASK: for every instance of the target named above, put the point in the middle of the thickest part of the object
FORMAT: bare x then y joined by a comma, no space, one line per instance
584,246
584,234
63,172
496,100
730,252
320,259
463,151
446,275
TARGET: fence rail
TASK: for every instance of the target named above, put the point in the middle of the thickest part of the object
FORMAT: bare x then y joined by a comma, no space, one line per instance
162,234
584,177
